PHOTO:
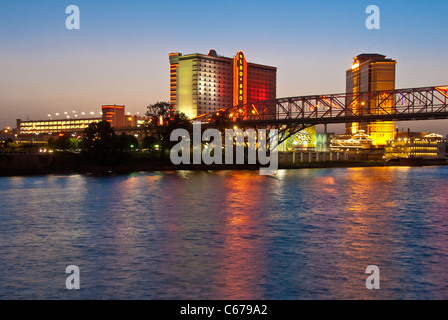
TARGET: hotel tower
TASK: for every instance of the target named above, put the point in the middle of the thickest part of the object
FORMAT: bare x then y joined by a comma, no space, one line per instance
204,83
371,72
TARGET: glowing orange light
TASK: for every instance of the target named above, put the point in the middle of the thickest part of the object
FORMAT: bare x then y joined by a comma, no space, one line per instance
329,102
440,89
254,110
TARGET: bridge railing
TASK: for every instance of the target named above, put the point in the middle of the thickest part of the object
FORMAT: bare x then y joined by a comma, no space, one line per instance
379,105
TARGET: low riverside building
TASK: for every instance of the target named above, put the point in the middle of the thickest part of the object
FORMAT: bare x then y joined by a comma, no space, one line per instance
37,132
53,126
424,148
75,124
307,140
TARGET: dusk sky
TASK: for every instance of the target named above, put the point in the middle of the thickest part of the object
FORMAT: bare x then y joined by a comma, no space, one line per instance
120,53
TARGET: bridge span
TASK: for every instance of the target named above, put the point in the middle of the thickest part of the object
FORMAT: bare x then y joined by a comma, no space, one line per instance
296,113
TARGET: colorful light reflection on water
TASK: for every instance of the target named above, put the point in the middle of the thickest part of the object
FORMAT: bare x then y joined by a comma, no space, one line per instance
302,234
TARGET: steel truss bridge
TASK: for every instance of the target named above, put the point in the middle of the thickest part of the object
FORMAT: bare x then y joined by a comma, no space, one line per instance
291,115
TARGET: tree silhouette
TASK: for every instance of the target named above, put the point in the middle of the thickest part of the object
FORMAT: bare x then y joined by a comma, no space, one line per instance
100,142
162,121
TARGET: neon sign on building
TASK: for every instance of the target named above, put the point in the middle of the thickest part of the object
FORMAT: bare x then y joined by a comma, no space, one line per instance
239,79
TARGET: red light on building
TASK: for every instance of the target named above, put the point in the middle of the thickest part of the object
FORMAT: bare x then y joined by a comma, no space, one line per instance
204,83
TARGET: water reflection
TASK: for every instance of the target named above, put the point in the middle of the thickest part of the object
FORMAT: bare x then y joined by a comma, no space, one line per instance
243,267
367,238
303,234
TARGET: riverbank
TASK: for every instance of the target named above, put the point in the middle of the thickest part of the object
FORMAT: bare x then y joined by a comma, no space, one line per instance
68,163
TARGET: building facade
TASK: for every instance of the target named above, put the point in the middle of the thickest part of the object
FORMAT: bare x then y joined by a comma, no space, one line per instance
416,145
204,83
114,115
54,126
425,149
119,119
371,72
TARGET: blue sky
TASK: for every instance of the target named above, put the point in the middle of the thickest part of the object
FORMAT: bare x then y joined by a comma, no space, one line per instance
120,54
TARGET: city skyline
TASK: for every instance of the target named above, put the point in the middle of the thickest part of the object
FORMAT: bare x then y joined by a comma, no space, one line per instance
208,152
119,55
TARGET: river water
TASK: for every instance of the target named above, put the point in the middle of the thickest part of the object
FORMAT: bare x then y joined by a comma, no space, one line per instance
302,234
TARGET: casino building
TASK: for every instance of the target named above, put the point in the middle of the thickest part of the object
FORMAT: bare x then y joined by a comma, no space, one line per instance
204,83
371,72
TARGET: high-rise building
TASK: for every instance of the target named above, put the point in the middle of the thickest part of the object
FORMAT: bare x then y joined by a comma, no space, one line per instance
371,72
201,83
